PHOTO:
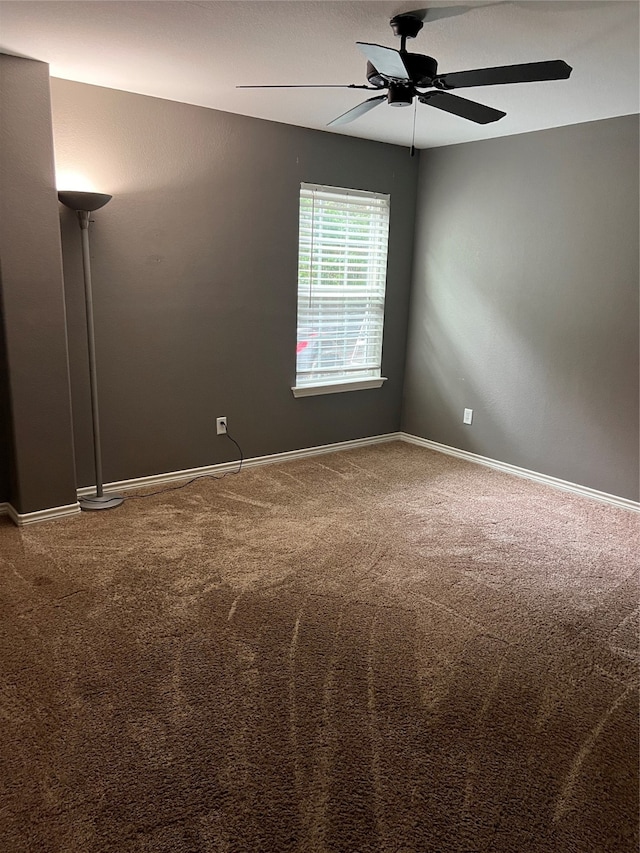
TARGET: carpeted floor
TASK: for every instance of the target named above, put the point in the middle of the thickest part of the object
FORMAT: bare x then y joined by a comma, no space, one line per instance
384,649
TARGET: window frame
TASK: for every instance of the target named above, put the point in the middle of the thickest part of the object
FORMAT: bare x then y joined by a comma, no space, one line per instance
324,384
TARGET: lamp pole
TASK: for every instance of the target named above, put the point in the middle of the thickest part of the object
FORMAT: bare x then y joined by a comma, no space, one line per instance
84,203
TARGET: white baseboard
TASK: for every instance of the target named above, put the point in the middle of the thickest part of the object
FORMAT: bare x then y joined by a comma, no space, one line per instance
224,467
22,518
175,476
564,485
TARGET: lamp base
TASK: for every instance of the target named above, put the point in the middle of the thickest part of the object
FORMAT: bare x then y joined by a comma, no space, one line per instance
103,502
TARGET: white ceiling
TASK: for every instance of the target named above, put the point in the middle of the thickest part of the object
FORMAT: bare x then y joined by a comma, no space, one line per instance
197,51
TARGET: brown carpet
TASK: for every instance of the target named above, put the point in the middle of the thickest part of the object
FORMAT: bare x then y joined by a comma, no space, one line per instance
383,649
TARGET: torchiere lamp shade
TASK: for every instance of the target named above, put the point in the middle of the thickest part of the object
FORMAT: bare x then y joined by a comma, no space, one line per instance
83,200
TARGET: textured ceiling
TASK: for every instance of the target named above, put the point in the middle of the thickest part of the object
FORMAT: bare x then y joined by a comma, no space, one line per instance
197,52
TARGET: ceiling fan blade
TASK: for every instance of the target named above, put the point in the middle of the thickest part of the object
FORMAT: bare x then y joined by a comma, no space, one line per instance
528,72
310,86
358,111
385,60
461,107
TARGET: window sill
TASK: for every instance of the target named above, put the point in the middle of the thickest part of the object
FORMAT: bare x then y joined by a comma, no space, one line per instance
338,387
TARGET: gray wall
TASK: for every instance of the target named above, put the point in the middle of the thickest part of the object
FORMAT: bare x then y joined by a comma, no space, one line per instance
34,378
195,273
525,302
6,439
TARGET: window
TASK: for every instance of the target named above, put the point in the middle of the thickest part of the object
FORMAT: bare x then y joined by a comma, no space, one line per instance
342,272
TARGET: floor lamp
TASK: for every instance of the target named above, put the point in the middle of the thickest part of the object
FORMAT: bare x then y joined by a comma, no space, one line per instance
84,203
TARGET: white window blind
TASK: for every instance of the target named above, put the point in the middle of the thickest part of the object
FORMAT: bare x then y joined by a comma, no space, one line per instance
342,272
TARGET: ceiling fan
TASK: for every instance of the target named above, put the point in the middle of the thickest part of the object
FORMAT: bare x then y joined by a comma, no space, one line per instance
404,75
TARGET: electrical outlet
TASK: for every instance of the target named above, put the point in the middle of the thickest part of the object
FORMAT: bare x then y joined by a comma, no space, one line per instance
467,416
221,426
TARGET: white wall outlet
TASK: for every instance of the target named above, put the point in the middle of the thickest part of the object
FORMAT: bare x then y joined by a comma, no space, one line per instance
467,416
221,426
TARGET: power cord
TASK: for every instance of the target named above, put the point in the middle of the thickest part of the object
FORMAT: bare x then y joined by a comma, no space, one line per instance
193,479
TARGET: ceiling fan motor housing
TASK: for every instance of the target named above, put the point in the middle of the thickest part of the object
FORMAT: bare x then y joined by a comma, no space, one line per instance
421,69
